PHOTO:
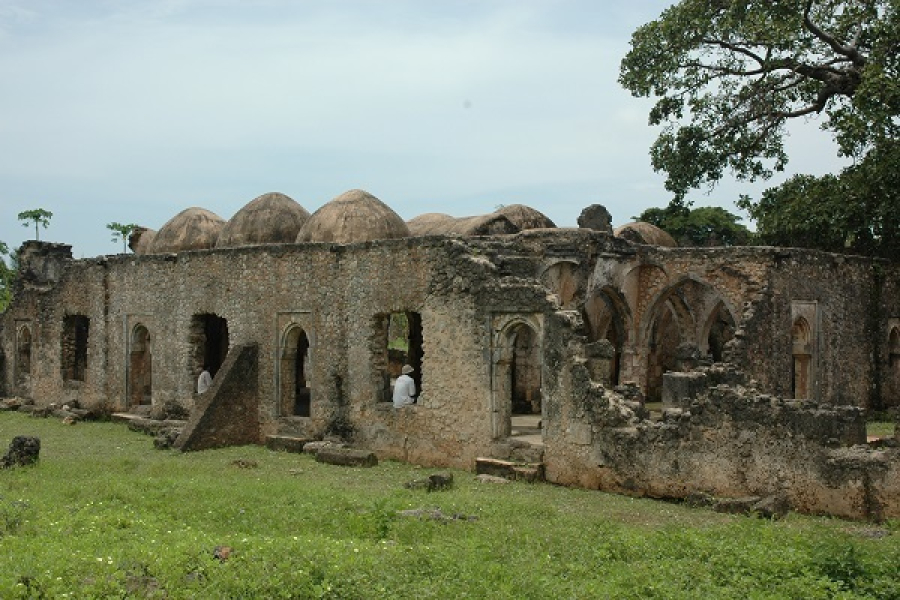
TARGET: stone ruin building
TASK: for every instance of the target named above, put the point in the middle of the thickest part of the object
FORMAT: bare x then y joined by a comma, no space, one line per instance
764,360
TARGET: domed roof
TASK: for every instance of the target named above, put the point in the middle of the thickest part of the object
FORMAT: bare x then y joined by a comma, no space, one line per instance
430,224
441,224
525,217
191,229
354,216
141,239
641,232
272,218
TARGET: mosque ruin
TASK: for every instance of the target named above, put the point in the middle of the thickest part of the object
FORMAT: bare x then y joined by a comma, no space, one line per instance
761,361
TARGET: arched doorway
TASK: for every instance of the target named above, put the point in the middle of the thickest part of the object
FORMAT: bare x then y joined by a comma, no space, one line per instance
140,369
296,396
802,359
665,337
516,386
605,316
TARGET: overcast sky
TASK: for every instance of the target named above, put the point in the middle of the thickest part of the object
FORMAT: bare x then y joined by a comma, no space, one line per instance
132,110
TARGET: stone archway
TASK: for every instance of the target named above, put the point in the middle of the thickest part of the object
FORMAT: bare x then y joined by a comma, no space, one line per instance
609,327
294,370
516,374
140,367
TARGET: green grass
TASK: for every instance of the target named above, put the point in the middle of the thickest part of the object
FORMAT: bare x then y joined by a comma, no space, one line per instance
880,429
105,515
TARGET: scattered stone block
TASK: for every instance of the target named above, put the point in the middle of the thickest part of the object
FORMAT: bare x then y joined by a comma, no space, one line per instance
346,457
485,478
509,470
314,447
23,451
284,443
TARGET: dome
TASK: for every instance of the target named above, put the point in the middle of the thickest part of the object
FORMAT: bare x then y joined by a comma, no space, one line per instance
641,232
525,217
354,216
441,224
191,229
431,224
272,218
141,239
490,224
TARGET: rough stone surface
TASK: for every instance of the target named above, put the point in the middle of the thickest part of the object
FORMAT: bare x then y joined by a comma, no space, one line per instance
346,457
596,217
595,327
23,451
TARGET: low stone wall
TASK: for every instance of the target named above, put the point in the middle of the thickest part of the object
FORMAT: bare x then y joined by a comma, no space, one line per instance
731,441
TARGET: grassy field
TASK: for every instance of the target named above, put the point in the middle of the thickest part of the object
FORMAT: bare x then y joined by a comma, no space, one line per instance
105,515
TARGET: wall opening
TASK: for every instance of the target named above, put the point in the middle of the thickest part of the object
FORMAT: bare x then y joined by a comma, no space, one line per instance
516,397
296,395
564,280
663,355
721,331
802,359
893,398
140,369
23,355
399,342
525,372
209,341
605,321
76,329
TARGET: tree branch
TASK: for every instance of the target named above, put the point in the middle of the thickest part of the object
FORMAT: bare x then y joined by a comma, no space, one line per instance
849,51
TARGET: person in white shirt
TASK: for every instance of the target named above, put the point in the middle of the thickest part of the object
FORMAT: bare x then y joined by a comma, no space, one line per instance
204,381
404,388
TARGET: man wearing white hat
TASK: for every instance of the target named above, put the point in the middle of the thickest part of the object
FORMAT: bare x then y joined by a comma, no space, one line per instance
404,388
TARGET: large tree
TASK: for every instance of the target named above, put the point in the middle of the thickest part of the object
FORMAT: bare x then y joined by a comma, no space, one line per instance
701,226
728,75
857,211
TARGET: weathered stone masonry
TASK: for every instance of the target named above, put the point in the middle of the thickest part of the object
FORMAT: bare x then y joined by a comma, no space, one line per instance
598,312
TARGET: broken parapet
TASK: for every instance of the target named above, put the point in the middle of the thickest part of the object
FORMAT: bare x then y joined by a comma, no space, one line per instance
227,413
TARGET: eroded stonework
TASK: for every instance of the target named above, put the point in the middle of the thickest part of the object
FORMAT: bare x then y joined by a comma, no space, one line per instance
544,347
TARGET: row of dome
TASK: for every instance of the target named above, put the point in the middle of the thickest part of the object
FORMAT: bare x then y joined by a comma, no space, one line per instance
354,216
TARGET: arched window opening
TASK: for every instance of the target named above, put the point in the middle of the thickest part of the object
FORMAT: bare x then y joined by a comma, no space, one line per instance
296,395
802,359
140,367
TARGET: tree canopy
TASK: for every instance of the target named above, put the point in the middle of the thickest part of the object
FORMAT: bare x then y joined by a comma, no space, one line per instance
729,75
39,216
121,232
857,211
701,226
